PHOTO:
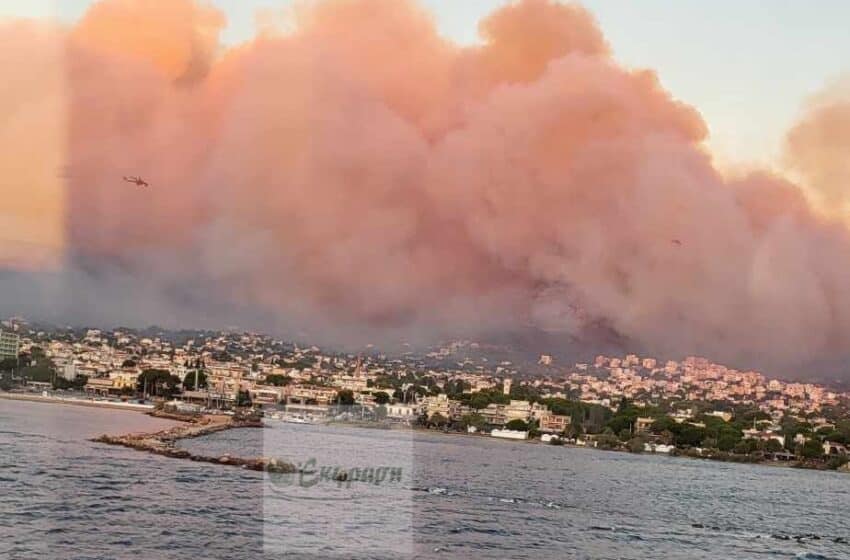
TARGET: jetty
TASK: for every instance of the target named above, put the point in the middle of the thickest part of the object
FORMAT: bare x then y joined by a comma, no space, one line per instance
164,442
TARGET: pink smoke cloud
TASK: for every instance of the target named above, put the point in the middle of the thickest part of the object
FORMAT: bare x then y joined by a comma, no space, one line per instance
362,173
816,148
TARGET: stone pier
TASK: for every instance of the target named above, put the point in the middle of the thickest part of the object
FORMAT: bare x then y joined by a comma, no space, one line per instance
164,442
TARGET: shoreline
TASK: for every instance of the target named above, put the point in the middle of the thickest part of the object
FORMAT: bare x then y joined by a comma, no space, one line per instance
163,442
26,397
679,454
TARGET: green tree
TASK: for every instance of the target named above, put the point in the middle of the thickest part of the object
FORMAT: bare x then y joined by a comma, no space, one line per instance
746,446
278,380
593,418
812,449
607,440
381,398
243,399
689,435
843,426
636,445
664,424
41,368
773,446
345,397
585,418
8,364
573,430
223,356
77,383
525,392
456,388
158,382
305,362
727,441
189,380
836,463
380,412
517,424
438,420
834,436
473,419
479,401
533,429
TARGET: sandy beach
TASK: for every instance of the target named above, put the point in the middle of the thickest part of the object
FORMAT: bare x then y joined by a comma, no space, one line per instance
32,397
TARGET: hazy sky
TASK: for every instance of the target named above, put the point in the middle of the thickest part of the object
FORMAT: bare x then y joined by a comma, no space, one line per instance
747,65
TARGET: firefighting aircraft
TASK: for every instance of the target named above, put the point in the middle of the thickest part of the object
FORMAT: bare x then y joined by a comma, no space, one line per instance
676,242
136,181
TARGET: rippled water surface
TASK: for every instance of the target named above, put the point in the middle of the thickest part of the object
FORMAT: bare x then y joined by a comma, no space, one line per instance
458,497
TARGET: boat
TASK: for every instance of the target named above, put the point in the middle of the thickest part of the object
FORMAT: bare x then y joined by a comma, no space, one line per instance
296,420
290,418
509,434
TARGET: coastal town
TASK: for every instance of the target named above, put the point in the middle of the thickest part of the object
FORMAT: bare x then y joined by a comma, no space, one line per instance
693,406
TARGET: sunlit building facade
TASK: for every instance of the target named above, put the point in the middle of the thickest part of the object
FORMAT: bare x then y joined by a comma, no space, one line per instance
9,345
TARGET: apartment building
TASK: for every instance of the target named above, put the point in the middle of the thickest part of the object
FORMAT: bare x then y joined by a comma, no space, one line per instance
9,345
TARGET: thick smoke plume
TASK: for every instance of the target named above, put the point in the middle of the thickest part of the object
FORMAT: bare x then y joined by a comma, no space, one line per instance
357,175
817,149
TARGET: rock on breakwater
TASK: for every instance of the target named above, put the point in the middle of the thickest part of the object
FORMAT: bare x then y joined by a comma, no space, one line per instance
164,442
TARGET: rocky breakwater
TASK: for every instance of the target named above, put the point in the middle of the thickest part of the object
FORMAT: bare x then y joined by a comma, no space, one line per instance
164,442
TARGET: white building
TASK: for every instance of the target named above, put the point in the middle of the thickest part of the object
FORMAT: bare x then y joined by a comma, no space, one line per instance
9,345
69,371
657,448
402,411
438,404
509,434
725,416
831,449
